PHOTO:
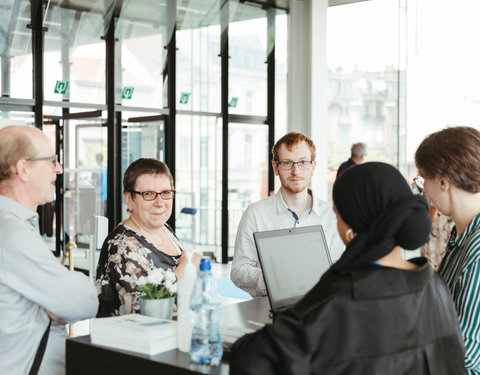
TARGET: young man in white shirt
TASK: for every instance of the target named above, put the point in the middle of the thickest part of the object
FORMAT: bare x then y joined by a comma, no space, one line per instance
292,206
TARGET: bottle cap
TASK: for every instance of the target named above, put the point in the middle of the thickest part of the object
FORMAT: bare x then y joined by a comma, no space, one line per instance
205,264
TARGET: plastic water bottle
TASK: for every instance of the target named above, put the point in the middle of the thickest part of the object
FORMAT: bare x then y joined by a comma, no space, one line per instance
184,314
206,345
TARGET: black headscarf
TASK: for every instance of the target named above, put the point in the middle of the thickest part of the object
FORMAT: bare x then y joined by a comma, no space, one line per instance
374,199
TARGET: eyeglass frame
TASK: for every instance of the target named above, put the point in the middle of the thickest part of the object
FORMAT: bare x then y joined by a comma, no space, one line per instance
156,194
286,168
420,182
54,158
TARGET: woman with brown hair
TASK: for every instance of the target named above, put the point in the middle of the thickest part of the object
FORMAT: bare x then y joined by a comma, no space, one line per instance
142,242
449,162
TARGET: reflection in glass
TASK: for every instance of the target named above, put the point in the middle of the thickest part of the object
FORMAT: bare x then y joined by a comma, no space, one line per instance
199,181
247,172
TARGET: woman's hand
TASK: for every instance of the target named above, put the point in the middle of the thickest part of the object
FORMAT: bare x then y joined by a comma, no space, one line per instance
178,271
196,257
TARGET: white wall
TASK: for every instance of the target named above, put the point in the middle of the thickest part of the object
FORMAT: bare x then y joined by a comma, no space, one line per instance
307,80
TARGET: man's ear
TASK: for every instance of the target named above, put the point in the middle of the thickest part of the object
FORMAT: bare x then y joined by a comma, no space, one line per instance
275,167
21,170
314,164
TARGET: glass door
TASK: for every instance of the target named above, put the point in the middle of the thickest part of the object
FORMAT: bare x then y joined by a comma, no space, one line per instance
84,177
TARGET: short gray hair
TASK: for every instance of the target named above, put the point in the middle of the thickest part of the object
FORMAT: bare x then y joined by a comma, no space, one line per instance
359,149
16,143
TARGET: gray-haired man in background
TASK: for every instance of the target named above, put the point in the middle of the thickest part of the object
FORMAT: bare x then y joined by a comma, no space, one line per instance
359,150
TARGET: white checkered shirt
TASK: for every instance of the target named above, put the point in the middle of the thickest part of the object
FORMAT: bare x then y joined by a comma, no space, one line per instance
269,214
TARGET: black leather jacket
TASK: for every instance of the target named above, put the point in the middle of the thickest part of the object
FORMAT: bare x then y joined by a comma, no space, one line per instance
373,320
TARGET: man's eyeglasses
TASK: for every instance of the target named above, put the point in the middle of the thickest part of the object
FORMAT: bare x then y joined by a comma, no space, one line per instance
419,182
152,195
53,158
287,164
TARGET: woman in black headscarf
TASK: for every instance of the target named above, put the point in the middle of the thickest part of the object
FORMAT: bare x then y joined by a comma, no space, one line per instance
373,312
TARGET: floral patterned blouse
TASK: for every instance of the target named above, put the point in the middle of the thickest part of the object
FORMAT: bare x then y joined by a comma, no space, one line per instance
126,254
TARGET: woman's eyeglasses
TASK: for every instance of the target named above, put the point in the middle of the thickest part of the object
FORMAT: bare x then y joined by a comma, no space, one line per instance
152,195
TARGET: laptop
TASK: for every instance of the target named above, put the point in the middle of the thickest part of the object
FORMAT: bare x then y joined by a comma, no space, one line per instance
292,261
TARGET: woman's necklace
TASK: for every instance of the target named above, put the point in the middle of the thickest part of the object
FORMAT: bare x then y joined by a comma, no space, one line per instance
150,238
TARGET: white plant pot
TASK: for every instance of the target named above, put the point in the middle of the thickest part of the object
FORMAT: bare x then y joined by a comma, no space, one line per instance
159,308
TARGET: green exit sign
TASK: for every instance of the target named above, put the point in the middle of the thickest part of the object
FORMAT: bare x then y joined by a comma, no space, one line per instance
184,97
233,102
127,93
61,87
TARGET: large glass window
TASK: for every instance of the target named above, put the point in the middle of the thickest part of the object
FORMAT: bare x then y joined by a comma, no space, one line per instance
16,118
84,174
198,69
142,36
443,78
74,58
362,58
247,93
247,171
15,49
199,181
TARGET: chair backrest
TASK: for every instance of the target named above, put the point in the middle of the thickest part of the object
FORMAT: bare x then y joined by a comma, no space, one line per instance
99,233
188,210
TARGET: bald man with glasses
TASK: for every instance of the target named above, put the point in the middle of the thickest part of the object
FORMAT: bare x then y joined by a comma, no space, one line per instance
38,296
294,205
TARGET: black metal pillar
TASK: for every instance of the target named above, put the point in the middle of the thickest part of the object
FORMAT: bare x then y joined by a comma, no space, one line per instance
271,92
5,75
59,189
224,19
36,10
114,131
170,125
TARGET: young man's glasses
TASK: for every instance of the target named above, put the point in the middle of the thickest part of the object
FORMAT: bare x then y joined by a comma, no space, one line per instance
53,158
152,195
287,164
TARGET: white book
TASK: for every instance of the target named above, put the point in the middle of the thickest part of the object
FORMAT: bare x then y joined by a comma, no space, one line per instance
150,348
134,328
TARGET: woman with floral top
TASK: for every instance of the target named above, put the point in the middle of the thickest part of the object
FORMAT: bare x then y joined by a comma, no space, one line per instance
141,243
449,162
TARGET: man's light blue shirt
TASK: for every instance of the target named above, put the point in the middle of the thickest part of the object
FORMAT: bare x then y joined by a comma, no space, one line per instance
32,281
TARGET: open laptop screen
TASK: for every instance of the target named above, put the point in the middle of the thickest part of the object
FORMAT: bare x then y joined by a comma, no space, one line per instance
292,261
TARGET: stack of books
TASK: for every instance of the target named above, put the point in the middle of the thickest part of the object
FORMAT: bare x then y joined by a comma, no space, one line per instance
135,332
